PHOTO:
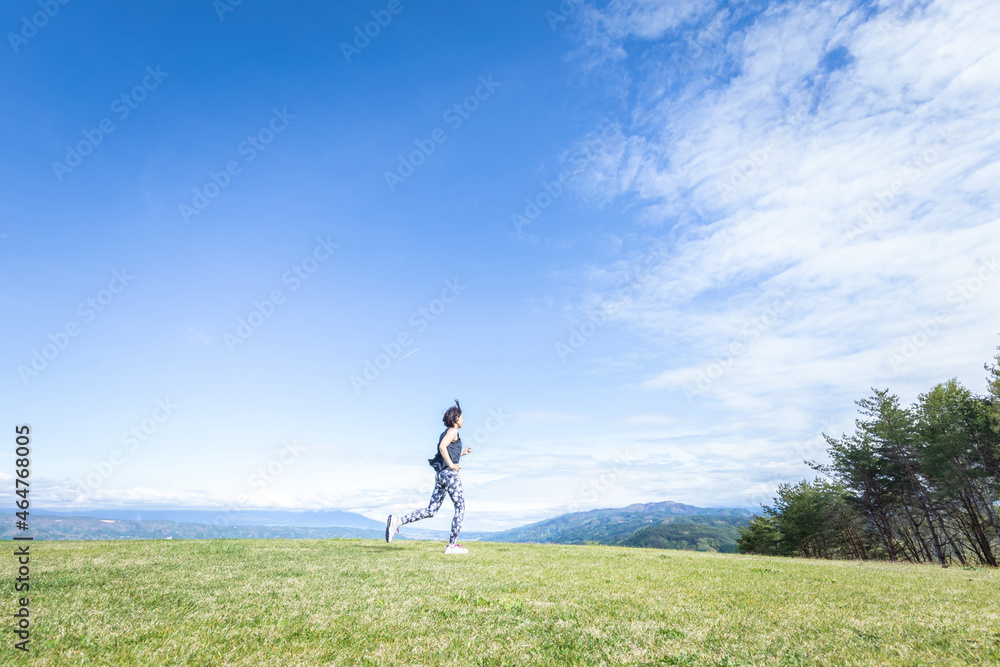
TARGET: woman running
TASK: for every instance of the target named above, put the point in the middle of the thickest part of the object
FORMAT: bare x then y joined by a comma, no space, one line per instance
445,462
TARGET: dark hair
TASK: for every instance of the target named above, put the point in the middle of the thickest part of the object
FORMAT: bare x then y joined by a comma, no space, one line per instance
452,414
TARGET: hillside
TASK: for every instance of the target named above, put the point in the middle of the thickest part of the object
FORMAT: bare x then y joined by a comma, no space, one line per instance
613,525
347,602
697,533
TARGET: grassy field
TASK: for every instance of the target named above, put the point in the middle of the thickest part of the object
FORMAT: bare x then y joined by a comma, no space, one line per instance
347,602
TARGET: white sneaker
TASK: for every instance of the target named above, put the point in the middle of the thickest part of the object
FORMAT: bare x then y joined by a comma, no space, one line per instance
455,549
392,525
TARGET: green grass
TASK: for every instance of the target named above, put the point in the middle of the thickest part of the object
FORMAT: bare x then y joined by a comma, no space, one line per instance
347,602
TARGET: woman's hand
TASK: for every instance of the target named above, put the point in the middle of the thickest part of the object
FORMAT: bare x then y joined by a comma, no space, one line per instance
467,450
456,468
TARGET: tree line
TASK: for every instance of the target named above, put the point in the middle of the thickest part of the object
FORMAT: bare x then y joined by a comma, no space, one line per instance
918,484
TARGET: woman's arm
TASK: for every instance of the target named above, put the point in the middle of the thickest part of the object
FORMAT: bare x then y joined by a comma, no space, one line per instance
448,438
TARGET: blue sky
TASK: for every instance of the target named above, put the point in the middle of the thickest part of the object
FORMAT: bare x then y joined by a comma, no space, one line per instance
654,248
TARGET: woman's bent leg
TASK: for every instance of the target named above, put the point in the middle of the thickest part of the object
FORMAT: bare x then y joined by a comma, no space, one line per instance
453,484
437,497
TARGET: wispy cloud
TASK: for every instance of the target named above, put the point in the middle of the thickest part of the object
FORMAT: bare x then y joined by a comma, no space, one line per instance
550,416
821,176
840,155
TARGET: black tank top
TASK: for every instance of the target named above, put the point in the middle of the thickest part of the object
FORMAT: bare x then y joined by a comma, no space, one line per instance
454,451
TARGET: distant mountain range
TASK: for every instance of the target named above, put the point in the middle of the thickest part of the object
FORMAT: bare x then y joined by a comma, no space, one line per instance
51,527
663,525
236,517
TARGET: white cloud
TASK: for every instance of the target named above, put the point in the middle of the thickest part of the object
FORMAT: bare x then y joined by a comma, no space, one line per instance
648,19
860,185
602,30
650,419
550,416
808,154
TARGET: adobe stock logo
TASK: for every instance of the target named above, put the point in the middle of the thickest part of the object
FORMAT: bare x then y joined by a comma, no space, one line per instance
381,18
266,475
223,7
254,144
566,9
121,106
751,330
38,20
454,116
549,191
295,277
962,294
133,438
392,351
87,309
637,277
881,201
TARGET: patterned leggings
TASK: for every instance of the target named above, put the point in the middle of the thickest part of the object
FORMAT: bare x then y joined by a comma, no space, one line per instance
446,481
